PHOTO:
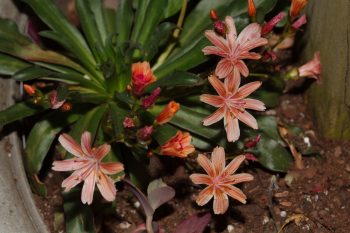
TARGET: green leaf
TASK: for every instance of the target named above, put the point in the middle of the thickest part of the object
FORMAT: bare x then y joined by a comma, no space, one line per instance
140,15
118,115
10,65
100,18
19,111
124,19
263,7
272,155
270,98
52,16
164,133
268,125
176,79
43,134
153,15
173,6
78,217
89,26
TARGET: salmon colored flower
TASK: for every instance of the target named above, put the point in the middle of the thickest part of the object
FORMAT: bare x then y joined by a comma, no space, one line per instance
311,69
55,104
251,9
296,7
234,49
220,180
178,146
168,112
232,104
142,76
30,90
87,167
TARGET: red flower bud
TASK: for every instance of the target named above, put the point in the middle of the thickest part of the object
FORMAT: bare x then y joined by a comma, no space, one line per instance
272,23
168,112
220,27
30,90
151,99
128,122
251,9
299,22
214,15
296,7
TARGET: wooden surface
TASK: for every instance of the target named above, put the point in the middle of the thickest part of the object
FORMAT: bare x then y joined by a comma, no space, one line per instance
328,32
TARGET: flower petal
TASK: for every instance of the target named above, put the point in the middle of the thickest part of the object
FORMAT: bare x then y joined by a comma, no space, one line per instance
233,81
106,186
231,31
70,145
242,67
242,177
247,89
223,68
71,181
233,165
200,179
217,85
111,168
232,128
248,119
86,142
216,40
206,164
69,165
220,204
254,104
87,193
215,117
101,152
234,192
205,195
213,50
218,159
214,100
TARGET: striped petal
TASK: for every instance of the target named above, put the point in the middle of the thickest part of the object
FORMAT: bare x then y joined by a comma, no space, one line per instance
111,168
87,193
254,104
69,165
248,119
215,117
242,67
233,81
106,186
247,89
205,195
218,159
101,152
70,145
242,177
201,179
86,142
234,192
213,50
223,68
217,85
233,165
213,100
216,40
206,164
220,204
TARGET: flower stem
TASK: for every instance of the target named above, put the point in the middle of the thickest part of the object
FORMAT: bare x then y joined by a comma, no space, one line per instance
149,224
259,75
176,34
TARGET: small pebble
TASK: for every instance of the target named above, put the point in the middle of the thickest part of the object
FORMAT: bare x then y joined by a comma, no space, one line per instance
230,228
283,214
265,220
137,204
307,141
124,225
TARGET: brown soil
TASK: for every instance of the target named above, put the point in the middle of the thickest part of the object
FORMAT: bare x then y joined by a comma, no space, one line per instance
315,201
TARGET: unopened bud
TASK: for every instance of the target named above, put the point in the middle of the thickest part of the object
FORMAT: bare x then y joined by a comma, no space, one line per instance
220,27
296,7
214,15
252,142
66,107
30,90
151,99
128,122
272,23
251,157
299,22
251,9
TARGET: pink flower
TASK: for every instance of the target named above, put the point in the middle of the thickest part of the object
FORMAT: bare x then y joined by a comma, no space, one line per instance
311,69
233,49
178,146
272,23
55,104
232,103
87,167
142,76
128,122
220,180
300,22
151,99
145,133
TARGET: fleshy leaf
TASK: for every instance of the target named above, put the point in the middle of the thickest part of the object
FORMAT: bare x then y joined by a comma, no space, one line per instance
194,224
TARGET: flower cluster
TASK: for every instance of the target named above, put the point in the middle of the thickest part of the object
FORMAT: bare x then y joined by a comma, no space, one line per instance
232,100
